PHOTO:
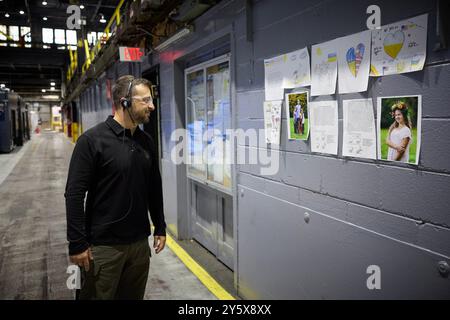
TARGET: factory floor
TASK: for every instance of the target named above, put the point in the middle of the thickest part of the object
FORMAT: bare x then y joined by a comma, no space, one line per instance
33,246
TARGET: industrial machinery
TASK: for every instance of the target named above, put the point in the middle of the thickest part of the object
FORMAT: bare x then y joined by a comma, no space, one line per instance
14,122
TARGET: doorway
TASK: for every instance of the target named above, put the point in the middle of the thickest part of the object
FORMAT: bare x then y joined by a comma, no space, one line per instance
153,127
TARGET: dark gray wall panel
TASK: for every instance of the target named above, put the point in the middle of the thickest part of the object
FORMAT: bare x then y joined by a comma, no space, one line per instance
435,148
326,258
383,187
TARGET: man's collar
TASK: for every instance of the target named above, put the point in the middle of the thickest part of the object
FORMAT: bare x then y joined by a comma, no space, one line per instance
116,127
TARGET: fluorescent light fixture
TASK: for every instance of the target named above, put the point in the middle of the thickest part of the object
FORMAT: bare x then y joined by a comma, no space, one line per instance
52,89
52,84
102,19
81,7
51,97
43,90
44,18
21,12
177,36
44,3
7,15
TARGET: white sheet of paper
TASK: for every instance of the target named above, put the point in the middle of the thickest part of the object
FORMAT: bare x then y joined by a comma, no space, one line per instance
273,78
296,68
399,47
272,121
324,126
354,62
323,68
359,138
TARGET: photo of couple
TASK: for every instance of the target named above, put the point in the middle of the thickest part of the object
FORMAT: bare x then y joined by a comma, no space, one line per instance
297,113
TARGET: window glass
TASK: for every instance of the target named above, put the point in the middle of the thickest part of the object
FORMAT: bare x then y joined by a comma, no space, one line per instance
3,33
47,35
14,32
25,32
208,110
60,36
92,38
196,126
71,36
219,120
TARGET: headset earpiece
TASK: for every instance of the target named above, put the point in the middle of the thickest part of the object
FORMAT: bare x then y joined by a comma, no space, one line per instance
126,102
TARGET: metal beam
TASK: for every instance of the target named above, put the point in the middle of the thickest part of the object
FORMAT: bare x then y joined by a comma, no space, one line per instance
96,11
28,13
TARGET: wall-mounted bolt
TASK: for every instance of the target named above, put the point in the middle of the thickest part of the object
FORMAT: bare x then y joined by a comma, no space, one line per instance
306,218
444,268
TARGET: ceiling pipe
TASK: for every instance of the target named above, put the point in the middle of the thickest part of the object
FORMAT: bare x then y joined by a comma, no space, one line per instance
96,11
28,13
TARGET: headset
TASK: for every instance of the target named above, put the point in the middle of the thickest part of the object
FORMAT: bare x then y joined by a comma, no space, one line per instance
126,102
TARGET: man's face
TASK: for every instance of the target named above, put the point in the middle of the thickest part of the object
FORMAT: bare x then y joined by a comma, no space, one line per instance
142,104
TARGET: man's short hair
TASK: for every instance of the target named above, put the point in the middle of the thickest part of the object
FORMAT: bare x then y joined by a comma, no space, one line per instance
121,85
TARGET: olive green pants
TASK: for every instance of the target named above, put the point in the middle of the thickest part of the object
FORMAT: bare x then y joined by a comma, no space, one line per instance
117,272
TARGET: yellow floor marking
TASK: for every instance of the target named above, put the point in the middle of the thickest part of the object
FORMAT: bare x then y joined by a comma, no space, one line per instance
198,271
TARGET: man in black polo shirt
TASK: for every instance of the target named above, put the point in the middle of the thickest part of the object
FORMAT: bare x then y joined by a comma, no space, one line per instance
116,163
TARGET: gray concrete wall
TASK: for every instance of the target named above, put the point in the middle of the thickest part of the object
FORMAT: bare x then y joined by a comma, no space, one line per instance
362,212
94,104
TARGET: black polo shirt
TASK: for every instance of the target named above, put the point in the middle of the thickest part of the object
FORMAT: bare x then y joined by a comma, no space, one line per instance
120,174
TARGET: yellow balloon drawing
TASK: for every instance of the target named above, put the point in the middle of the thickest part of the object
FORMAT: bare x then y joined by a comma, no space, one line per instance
393,49
393,43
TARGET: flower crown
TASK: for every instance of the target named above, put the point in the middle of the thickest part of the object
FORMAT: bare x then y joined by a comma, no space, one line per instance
399,105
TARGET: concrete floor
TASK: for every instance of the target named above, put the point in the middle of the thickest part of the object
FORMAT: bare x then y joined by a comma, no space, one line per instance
33,246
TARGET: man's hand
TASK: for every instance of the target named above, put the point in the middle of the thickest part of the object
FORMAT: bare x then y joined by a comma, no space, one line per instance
159,243
82,259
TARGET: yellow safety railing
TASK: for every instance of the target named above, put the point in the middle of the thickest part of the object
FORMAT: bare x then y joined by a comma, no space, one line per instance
73,64
91,54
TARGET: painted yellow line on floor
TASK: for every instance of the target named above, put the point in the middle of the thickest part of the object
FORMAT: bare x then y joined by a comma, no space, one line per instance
198,271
